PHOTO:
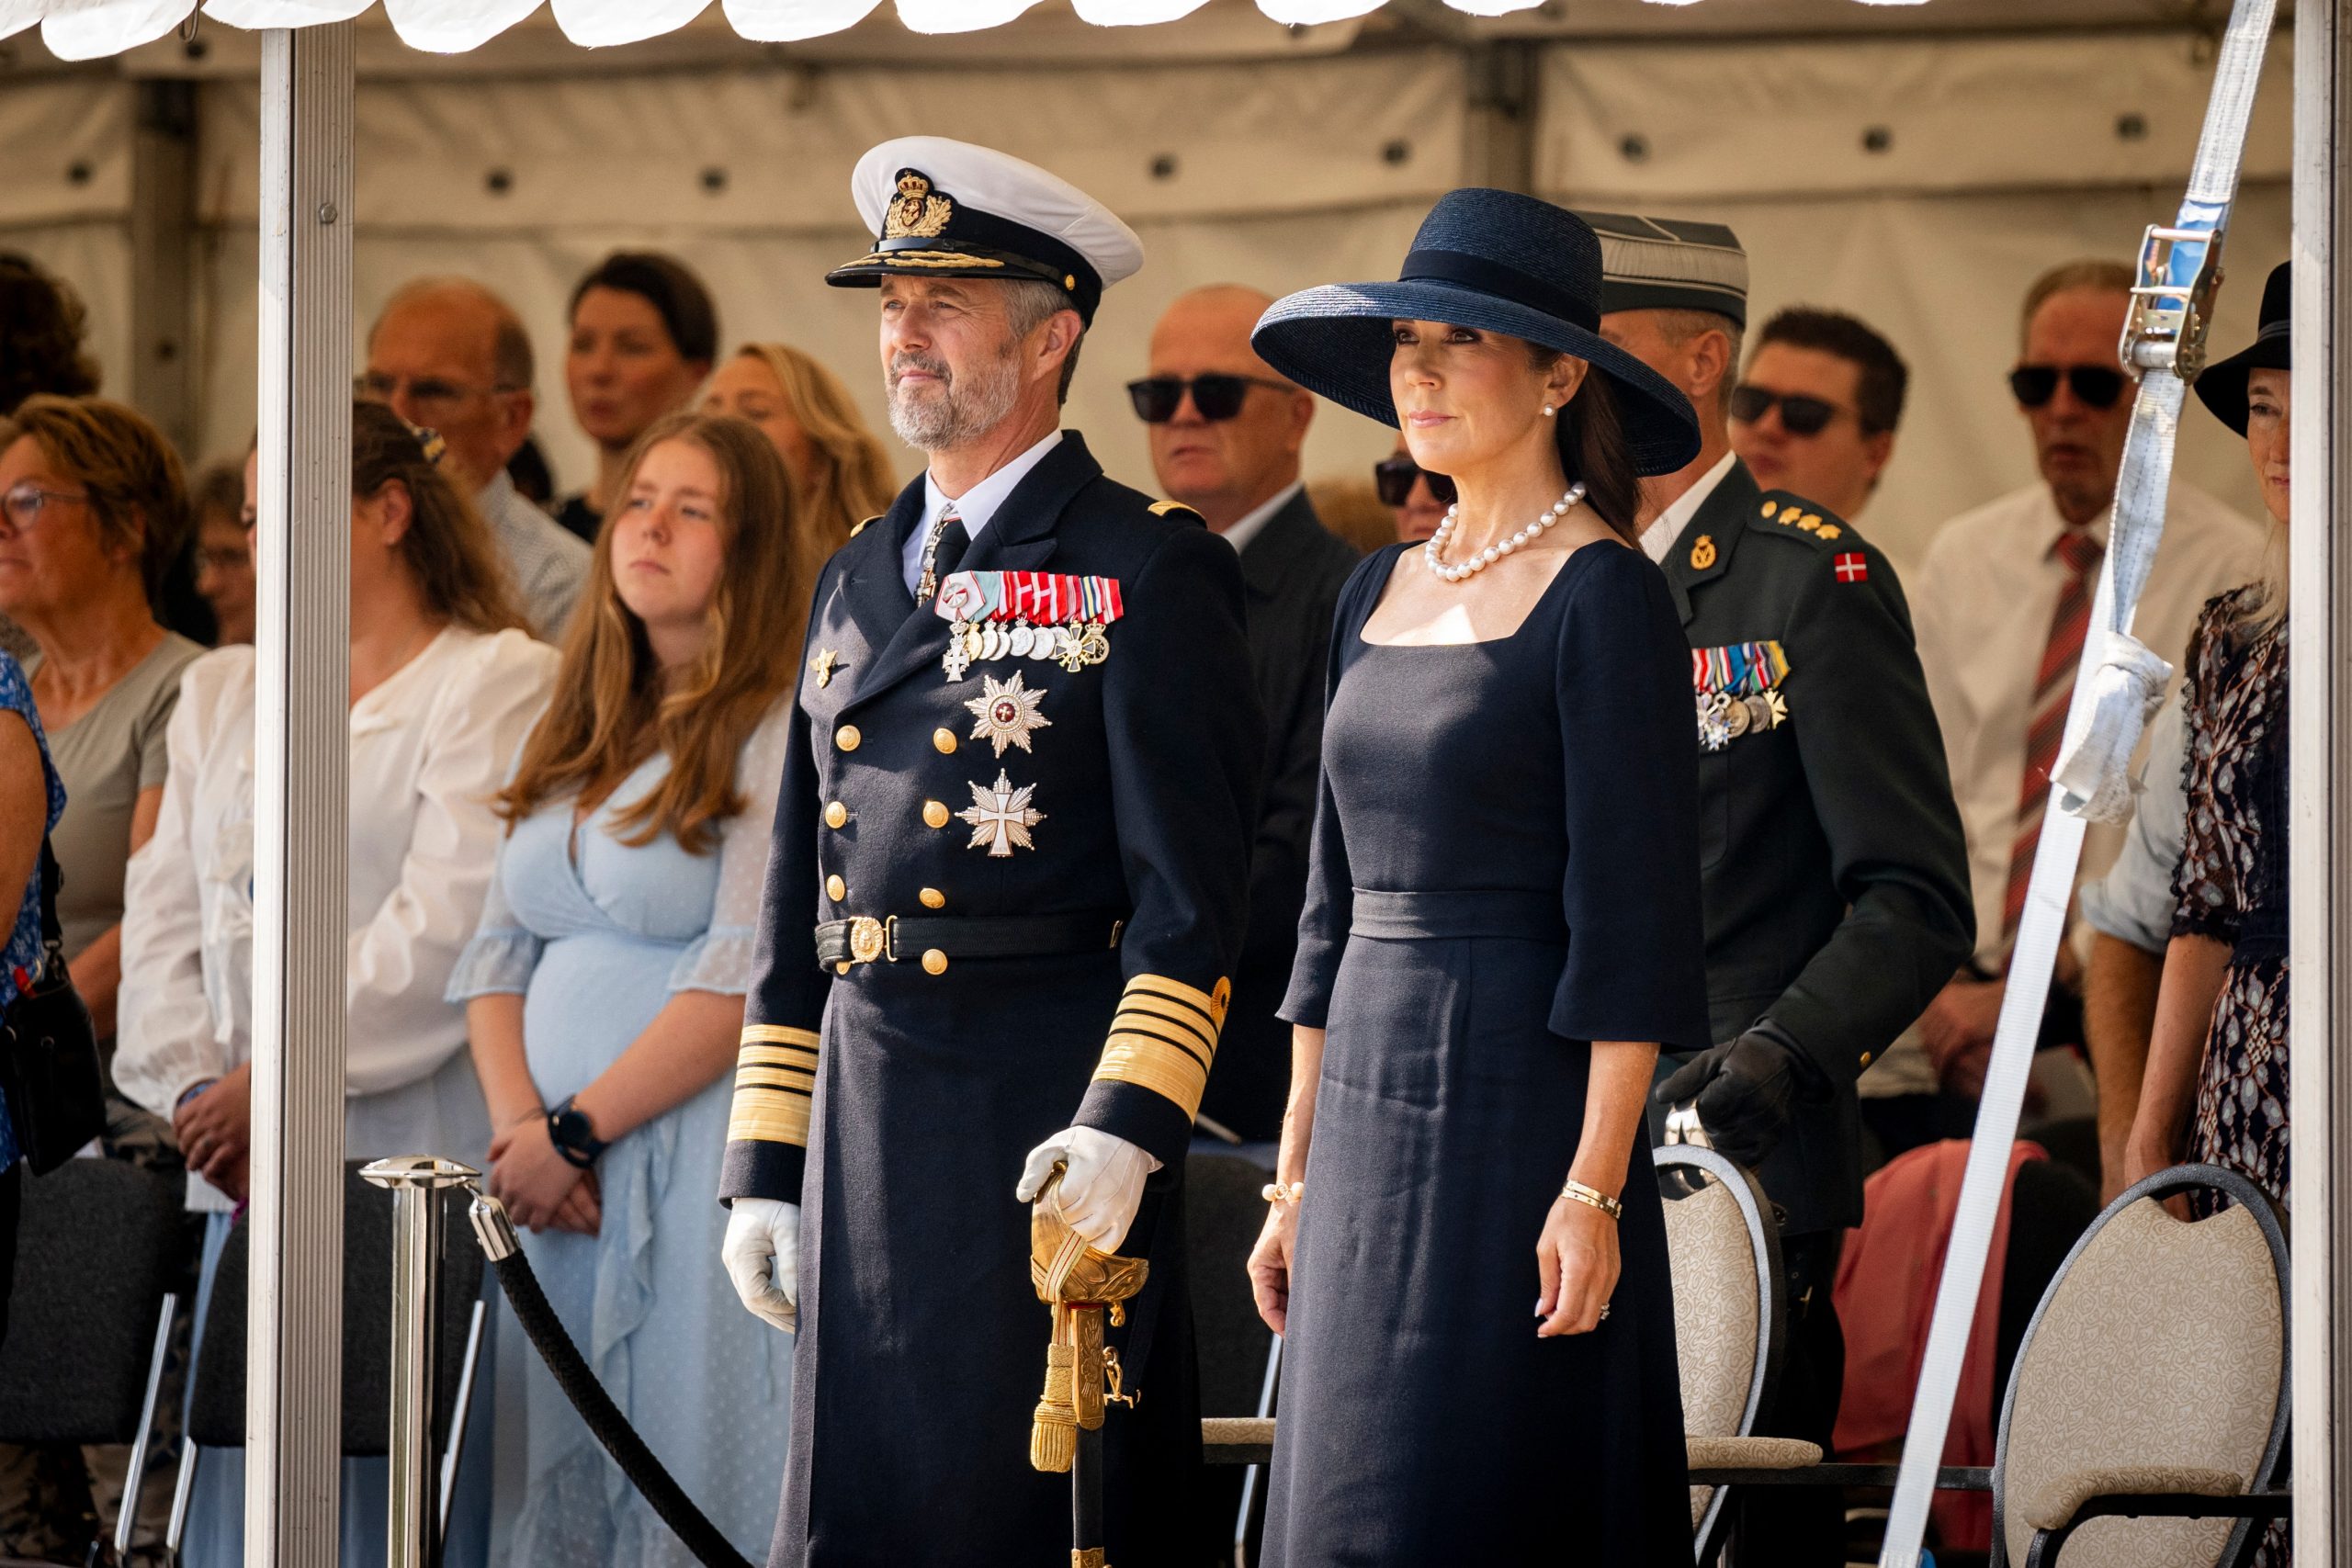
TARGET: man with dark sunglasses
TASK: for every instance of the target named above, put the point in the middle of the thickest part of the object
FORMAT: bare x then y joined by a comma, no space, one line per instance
2002,602
1832,871
1225,433
1418,497
1816,410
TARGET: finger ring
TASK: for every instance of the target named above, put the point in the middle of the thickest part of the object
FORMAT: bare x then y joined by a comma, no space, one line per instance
1604,1312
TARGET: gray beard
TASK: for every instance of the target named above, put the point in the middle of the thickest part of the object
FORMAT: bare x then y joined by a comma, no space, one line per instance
959,414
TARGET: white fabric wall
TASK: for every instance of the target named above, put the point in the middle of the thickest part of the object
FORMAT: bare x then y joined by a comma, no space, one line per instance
65,197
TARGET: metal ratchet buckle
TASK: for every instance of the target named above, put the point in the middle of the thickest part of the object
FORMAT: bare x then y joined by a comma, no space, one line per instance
1682,1126
870,939
2172,304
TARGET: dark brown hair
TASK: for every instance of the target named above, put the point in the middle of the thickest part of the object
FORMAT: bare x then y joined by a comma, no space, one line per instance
138,494
43,349
1882,379
447,547
669,286
1592,438
612,706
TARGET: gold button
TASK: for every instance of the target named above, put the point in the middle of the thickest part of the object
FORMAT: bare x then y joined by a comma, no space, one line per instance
836,889
944,739
841,968
934,961
836,814
934,813
932,898
847,738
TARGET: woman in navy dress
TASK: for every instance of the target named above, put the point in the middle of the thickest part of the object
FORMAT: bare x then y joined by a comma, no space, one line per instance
1502,926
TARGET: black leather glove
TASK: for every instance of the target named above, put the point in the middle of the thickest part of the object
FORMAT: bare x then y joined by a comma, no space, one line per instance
1746,1090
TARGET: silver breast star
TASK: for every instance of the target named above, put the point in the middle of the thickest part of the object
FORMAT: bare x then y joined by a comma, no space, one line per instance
1005,712
1001,817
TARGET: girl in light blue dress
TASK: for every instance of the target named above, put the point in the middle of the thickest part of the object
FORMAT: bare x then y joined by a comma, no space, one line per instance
604,995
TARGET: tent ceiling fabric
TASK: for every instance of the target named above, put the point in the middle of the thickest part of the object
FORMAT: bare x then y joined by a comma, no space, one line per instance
88,30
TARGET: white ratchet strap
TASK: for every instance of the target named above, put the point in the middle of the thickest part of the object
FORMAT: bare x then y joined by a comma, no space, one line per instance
2164,342
1683,1126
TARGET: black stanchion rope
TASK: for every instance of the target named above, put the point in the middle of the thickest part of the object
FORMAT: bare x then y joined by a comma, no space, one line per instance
605,1418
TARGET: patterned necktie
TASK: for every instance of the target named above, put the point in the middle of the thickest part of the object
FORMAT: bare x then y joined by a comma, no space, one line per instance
2053,688
945,546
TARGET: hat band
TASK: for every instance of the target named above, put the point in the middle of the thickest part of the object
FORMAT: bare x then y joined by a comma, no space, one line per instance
2280,328
1498,278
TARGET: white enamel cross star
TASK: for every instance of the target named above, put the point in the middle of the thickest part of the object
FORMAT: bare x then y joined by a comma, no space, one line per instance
1001,817
1005,712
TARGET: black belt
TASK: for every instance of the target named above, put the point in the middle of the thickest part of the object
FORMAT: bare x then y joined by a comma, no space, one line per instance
2262,934
865,940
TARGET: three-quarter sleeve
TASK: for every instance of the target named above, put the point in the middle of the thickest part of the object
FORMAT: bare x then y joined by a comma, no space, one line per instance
499,958
1329,909
720,959
167,1039
400,959
1636,958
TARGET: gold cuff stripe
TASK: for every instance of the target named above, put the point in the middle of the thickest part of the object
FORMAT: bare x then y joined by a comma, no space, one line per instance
775,1056
1173,1039
770,1117
1150,1063
777,1078
1161,986
777,1034
1142,1008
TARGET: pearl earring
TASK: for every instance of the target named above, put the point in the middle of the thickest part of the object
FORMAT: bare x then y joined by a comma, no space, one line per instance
1547,410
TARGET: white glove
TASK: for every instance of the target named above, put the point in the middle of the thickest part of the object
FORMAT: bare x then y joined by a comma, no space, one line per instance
1101,1190
762,1257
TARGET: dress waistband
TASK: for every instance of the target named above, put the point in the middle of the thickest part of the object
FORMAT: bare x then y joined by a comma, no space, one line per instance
2262,934
1498,911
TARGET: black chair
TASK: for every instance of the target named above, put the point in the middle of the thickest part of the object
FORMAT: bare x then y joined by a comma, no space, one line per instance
217,1397
1224,1210
101,1251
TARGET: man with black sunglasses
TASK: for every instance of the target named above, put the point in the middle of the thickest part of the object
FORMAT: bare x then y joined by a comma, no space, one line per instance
1225,433
1816,411
2002,602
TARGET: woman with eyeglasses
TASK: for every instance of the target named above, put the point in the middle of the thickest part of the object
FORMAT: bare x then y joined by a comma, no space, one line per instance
444,683
224,553
644,334
1463,1254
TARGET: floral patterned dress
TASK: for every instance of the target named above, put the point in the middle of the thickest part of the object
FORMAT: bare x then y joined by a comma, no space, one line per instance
2232,882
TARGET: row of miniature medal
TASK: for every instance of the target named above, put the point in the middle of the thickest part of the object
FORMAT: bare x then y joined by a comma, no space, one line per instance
1737,688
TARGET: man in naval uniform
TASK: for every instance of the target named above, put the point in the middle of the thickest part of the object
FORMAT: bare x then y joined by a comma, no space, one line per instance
1834,872
1017,811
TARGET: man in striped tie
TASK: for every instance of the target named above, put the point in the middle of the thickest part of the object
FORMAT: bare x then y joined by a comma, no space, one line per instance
2002,607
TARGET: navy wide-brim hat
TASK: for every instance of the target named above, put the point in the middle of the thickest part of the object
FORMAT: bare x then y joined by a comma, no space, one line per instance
2222,387
1493,261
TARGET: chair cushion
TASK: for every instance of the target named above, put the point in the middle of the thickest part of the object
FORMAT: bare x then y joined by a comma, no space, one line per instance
2163,1346
1750,1453
1714,1259
2063,1496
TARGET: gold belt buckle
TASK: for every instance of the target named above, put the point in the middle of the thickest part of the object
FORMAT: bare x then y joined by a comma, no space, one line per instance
867,939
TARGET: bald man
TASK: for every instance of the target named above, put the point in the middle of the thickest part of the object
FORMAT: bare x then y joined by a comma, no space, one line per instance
449,356
1225,433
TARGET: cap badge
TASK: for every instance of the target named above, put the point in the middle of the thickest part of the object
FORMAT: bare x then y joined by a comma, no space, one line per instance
916,212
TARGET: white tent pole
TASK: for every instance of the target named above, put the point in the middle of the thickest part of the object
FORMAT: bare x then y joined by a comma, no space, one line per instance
294,1333
2320,798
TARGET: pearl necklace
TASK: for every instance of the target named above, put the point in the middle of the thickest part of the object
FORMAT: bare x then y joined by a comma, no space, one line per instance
1492,553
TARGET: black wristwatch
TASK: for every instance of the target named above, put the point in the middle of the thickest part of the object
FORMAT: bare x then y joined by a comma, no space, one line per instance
575,1139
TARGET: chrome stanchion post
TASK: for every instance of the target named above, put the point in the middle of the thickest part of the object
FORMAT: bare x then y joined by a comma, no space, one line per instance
416,1182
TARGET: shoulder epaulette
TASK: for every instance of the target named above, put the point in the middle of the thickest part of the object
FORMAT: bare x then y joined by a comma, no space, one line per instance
861,527
1162,508
1780,512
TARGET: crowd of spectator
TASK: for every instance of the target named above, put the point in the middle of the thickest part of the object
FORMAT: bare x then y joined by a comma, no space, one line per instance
567,725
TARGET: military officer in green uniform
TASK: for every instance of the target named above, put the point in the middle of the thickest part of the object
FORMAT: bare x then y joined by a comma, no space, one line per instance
1006,892
1833,870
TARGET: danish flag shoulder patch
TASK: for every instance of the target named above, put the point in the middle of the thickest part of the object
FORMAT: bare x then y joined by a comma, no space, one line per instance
1851,566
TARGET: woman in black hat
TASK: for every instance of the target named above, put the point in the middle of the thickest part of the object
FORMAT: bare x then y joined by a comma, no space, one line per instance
1502,926
2217,1059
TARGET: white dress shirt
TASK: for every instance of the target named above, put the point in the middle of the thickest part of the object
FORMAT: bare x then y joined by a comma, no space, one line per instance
2133,902
548,562
976,506
1253,521
1658,539
428,748
1982,604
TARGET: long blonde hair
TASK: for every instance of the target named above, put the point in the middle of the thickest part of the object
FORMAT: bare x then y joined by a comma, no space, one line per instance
612,707
851,479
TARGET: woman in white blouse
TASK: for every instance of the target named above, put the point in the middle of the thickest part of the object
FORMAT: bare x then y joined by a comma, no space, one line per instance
444,684
605,997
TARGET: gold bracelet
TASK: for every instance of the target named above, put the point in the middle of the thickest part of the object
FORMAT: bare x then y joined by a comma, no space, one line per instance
1593,1197
1283,1191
